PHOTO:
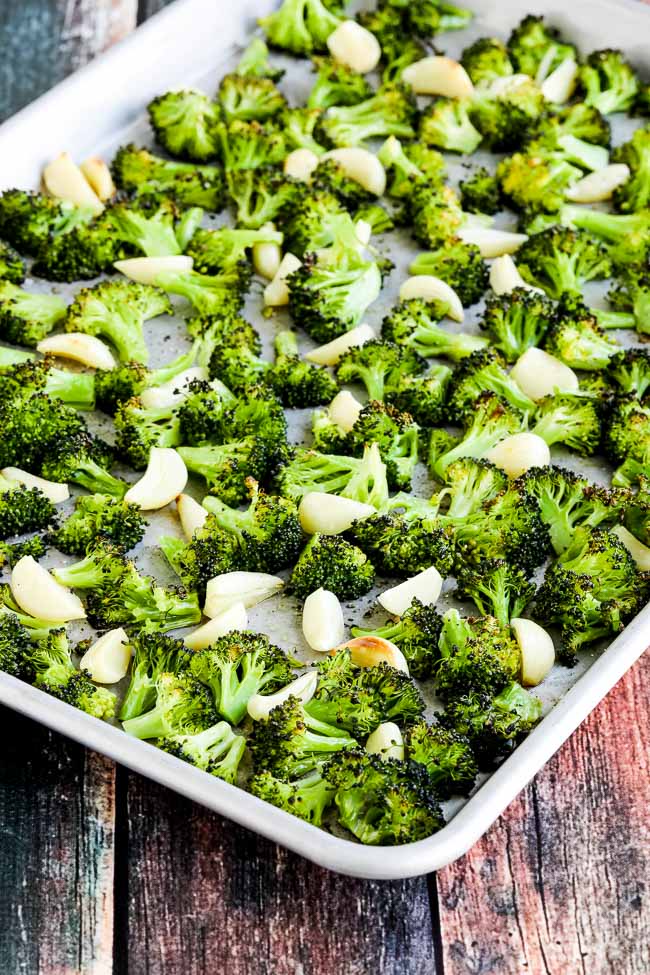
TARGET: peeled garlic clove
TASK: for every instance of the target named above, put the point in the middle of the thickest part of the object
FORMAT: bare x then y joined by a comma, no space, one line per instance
79,347
235,618
361,166
438,75
63,179
267,256
145,270
99,176
363,231
329,354
537,650
639,552
53,490
539,374
276,294
344,410
330,514
353,45
163,480
386,741
518,453
430,288
39,594
173,392
322,620
368,651
108,658
505,84
304,687
300,164
600,185
249,588
560,84
491,242
191,514
425,586
504,277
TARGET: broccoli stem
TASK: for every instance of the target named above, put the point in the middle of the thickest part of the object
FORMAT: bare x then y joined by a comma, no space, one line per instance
149,725
286,343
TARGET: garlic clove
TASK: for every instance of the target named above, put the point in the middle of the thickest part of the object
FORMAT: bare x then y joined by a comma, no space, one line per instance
64,180
491,242
430,288
537,650
438,75
249,588
504,277
539,374
560,84
79,347
267,256
98,175
518,453
304,687
191,514
368,651
174,391
108,659
361,166
235,618
599,186
322,620
163,480
330,353
53,490
344,410
40,595
300,164
353,45
145,270
425,586
276,293
505,84
386,741
330,514
639,552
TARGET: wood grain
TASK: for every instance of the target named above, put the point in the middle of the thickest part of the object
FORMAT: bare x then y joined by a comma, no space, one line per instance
206,896
56,843
560,884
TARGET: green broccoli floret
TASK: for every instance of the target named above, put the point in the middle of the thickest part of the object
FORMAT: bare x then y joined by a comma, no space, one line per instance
416,633
336,84
469,483
329,299
627,440
99,516
405,540
493,725
561,260
608,82
32,375
446,755
423,397
215,250
23,509
51,661
226,466
506,118
383,803
516,321
414,324
143,174
306,796
15,648
330,562
476,655
217,750
300,26
296,382
459,265
208,331
637,512
260,196
629,370
32,423
576,338
235,365
627,233
408,164
32,222
631,294
447,124
435,215
151,227
449,15
210,295
486,60
154,654
491,421
579,120
378,365
330,176
249,98
537,50
360,479
568,502
254,62
497,588
634,194
480,193
183,707
129,379
27,318
394,433
311,224
83,460
570,419
185,124
391,110
138,430
36,547
12,266
591,590
536,180
484,371
249,145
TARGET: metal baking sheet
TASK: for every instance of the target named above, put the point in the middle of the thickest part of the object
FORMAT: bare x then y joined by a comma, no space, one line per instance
192,43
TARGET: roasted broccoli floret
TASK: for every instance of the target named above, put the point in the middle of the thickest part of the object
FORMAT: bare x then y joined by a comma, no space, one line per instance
480,193
210,295
628,234
362,479
185,124
143,174
255,62
83,460
405,540
476,655
627,440
631,294
138,430
32,222
215,250
151,227
183,707
51,662
32,423
634,193
306,796
330,562
536,180
76,389
576,338
561,260
416,633
486,60
23,509
391,110
217,750
537,50
130,379
578,120
10,554
517,321
312,222
378,365
226,466
569,419
491,421
423,397
506,118
249,98
154,654
469,483
12,266
446,755
300,26
15,647
414,324
608,81
332,177
459,265
481,372
497,588
394,433
249,145
99,516
27,318
336,84
260,196
296,382
637,512
629,370
447,124
383,803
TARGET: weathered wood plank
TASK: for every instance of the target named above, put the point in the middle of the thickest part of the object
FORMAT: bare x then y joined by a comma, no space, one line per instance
207,896
56,854
559,884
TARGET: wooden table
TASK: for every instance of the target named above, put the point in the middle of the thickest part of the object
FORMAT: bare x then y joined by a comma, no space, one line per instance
103,872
